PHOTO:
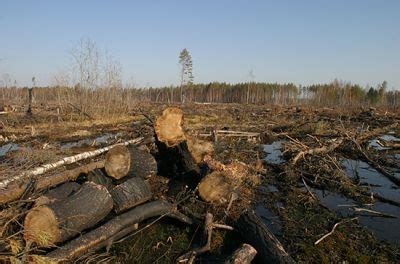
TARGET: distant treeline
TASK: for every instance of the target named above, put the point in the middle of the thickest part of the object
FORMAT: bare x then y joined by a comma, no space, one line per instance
116,99
332,94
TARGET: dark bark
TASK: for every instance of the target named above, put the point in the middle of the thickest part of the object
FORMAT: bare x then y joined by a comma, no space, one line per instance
65,219
129,162
96,237
143,164
130,193
256,233
99,177
177,160
57,194
174,157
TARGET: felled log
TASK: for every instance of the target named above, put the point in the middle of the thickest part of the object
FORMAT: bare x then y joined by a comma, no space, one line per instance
15,191
96,237
49,224
174,155
67,160
243,255
57,194
256,233
131,161
130,193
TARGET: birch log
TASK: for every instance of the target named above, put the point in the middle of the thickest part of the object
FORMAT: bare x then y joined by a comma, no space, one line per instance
67,160
15,191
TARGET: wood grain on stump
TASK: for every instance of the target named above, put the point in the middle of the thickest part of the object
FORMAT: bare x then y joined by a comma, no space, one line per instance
175,159
215,187
118,161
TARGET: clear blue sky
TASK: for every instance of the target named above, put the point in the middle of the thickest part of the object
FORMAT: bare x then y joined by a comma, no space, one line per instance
281,41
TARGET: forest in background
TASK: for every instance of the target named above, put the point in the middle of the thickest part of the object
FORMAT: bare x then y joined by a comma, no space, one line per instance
113,100
94,85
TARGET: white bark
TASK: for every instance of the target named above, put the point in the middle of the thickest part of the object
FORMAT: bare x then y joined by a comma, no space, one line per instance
67,160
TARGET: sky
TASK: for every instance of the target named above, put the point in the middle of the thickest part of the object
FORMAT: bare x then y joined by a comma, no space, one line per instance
302,42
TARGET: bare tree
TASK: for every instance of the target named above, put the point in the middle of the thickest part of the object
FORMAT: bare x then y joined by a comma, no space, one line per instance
86,64
112,72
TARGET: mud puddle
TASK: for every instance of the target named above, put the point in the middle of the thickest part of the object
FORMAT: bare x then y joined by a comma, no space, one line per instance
384,228
385,223
269,218
371,178
374,143
274,152
5,149
105,139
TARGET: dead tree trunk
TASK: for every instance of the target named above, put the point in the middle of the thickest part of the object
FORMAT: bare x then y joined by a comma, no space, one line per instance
256,233
96,237
174,155
124,161
130,193
30,97
53,223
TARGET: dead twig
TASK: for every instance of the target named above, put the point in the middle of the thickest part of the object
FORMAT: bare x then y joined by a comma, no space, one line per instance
333,230
320,150
190,256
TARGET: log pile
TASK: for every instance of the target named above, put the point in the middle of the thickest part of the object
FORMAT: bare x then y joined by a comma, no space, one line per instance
98,202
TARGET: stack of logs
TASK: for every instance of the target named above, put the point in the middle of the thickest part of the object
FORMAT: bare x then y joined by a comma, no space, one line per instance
74,218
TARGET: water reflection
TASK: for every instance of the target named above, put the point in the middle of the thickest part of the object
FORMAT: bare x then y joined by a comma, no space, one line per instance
274,152
8,148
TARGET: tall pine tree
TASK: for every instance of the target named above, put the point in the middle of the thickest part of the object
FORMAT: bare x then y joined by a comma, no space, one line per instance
185,60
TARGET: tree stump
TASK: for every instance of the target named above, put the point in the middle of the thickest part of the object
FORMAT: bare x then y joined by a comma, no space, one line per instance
175,159
53,223
130,161
130,193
